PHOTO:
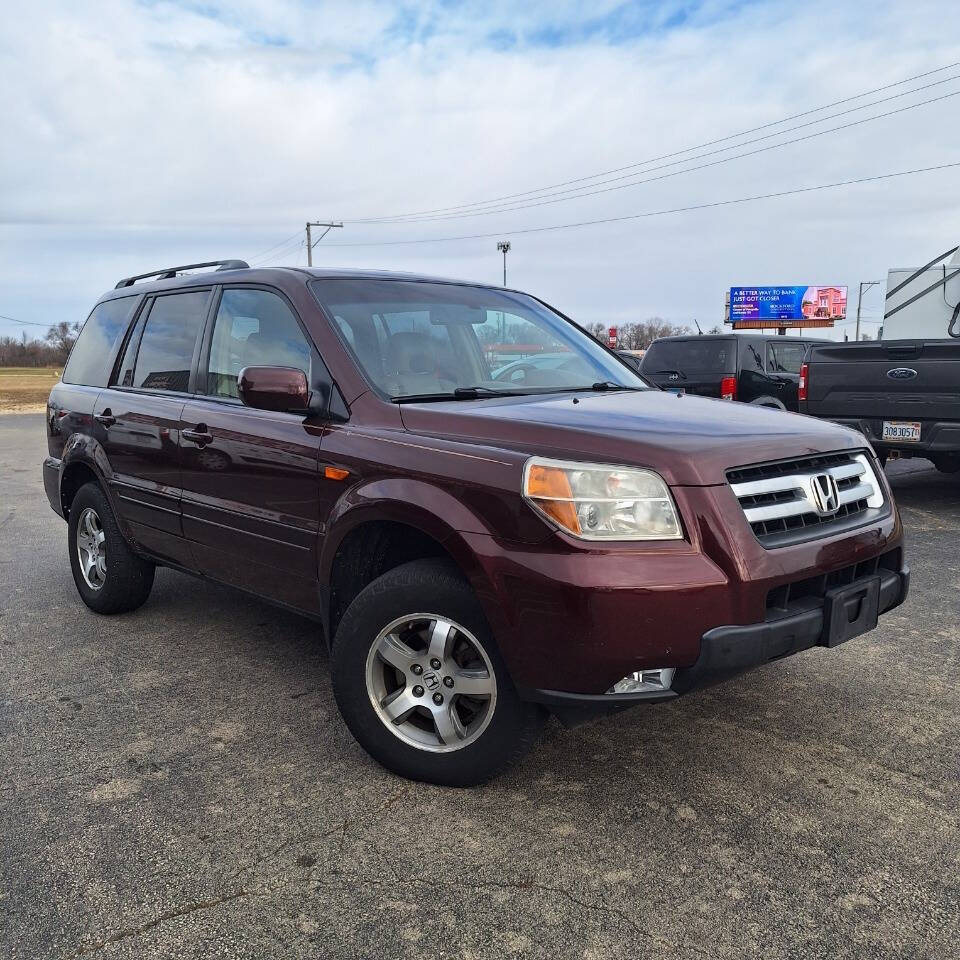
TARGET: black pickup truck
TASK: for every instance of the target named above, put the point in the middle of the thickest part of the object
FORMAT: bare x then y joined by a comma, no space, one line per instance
902,395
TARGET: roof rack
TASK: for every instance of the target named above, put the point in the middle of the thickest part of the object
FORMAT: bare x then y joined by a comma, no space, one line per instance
170,272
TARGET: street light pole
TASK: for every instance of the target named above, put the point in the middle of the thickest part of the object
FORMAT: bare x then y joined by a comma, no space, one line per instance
504,246
868,284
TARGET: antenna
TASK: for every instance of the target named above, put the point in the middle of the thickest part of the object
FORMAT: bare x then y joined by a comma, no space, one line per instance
698,326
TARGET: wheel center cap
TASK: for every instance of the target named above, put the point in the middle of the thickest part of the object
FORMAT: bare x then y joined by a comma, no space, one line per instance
431,681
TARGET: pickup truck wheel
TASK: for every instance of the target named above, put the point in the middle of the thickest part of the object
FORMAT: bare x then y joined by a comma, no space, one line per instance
772,402
947,463
421,684
110,577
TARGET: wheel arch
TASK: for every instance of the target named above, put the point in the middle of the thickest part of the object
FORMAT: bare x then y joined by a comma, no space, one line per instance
85,461
767,401
365,540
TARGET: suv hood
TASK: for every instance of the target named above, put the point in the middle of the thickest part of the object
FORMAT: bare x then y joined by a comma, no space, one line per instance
687,440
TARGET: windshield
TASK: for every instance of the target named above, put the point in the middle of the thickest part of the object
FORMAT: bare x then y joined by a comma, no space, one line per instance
415,338
691,356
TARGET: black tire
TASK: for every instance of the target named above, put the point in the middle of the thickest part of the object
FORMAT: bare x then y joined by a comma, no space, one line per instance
947,462
422,586
127,578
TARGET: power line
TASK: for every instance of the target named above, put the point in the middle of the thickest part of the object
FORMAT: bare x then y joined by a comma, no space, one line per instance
282,243
584,192
288,249
653,213
667,156
26,323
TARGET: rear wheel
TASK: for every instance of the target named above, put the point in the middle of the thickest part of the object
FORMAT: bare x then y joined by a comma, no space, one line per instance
947,462
110,577
421,684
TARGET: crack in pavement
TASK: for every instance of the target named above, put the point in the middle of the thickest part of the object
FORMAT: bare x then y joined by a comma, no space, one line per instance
156,921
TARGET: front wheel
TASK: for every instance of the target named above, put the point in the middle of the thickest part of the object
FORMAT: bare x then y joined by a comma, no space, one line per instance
110,577
421,684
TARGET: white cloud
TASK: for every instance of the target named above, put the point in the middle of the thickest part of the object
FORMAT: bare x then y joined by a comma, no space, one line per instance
138,135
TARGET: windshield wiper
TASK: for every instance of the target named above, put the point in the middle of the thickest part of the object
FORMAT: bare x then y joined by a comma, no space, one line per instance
471,393
601,385
460,393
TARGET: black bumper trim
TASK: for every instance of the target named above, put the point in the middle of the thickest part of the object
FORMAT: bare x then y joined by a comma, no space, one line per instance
727,651
51,483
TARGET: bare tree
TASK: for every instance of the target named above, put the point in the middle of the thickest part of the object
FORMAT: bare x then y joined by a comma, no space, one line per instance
50,352
61,336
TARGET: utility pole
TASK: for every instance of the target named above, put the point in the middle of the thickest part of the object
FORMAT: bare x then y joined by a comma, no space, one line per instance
504,246
311,243
868,284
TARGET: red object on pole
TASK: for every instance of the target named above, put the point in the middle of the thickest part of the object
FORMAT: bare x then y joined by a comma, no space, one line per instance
612,337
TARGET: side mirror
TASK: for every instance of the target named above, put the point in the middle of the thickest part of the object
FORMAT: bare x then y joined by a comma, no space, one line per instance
283,389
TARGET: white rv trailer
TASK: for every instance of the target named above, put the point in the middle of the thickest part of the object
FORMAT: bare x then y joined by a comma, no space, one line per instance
924,303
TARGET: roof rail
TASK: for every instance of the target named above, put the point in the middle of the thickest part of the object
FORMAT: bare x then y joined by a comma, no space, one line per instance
170,272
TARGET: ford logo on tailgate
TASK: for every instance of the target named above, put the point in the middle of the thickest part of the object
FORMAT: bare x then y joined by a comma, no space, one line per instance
902,373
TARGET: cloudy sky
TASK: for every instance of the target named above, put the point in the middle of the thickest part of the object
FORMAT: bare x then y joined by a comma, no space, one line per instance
142,134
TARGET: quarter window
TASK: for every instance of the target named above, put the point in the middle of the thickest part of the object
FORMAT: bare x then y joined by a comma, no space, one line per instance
785,357
89,362
254,328
169,337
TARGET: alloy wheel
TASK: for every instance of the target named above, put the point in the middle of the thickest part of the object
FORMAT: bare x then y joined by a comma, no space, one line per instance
431,682
91,549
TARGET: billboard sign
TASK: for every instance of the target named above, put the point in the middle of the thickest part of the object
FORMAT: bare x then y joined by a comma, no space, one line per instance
787,306
612,337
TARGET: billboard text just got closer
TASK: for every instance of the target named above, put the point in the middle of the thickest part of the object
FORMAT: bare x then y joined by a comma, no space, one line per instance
800,306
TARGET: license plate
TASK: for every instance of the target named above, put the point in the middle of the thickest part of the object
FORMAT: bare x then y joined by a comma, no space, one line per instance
901,430
850,611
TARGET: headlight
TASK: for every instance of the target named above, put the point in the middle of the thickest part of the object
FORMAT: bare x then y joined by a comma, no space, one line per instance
599,502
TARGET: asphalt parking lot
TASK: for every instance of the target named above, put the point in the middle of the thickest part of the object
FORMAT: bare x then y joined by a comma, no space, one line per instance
177,783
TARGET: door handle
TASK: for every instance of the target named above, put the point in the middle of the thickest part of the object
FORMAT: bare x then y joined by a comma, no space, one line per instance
201,435
106,418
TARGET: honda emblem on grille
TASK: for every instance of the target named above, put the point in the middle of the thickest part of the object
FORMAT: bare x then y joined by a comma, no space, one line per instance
826,495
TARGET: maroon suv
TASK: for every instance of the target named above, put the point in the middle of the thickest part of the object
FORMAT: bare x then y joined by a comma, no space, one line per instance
481,539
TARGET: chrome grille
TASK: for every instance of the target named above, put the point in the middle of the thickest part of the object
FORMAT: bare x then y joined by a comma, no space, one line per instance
793,500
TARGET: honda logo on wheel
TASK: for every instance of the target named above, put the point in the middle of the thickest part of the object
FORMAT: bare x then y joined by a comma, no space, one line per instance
826,495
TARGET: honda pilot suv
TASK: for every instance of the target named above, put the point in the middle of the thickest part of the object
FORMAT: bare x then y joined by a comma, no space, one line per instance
476,551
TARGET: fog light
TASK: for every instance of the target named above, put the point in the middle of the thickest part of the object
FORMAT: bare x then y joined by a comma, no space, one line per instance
645,681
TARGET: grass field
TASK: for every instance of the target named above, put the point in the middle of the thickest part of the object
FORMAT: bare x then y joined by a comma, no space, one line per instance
25,389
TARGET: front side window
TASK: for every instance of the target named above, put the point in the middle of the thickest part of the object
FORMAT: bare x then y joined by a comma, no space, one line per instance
169,337
254,328
415,338
89,362
785,357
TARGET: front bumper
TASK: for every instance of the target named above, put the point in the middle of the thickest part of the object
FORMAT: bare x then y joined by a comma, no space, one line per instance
572,621
729,650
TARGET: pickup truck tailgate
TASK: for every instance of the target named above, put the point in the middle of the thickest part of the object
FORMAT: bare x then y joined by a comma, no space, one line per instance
902,394
900,379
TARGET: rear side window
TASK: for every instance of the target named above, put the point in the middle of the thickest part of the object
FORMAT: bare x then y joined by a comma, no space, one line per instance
785,357
169,337
89,362
691,356
751,355
254,328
